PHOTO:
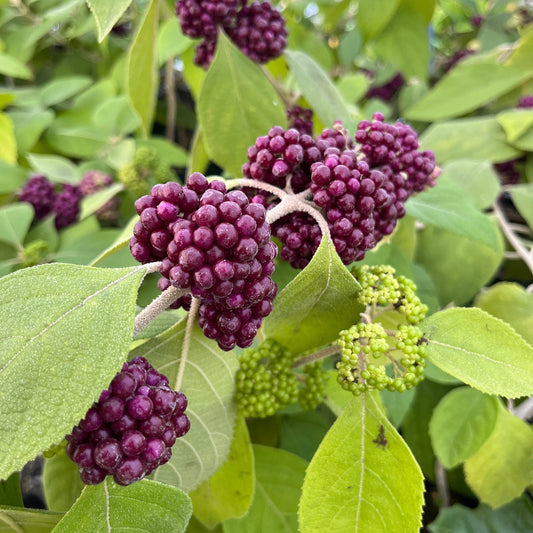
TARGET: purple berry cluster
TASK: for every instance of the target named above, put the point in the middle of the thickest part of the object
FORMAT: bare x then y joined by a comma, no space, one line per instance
260,32
130,431
215,243
42,195
301,119
258,29
526,102
94,181
360,191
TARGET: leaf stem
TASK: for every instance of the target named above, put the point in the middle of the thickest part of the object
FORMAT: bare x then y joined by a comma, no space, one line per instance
317,356
191,319
525,254
156,307
170,94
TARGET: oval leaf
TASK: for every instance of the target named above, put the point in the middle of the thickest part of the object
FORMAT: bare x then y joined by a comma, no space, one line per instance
362,456
238,104
61,482
318,303
66,329
480,350
145,506
502,468
15,221
446,206
461,423
279,477
208,382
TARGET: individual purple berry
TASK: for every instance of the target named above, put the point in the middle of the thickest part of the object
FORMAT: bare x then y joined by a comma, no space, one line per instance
133,445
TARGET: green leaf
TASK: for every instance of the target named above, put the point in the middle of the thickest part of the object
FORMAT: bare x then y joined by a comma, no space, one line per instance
457,281
145,506
511,518
515,122
253,108
336,397
279,476
302,432
55,168
208,382
397,405
361,457
11,177
318,89
10,66
478,178
93,202
525,142
78,141
446,206
353,87
15,221
434,373
31,520
373,16
477,138
118,244
61,482
318,303
415,425
107,14
424,7
63,88
229,492
142,76
29,126
462,421
409,28
460,92
171,42
57,321
480,350
83,249
511,303
503,467
199,160
116,116
8,143
522,196
10,494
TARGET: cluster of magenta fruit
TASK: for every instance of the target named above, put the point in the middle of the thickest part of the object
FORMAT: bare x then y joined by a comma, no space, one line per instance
257,29
130,431
216,244
63,204
63,201
359,188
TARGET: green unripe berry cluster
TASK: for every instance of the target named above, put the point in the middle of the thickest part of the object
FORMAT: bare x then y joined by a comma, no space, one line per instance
265,380
312,392
380,286
364,343
144,171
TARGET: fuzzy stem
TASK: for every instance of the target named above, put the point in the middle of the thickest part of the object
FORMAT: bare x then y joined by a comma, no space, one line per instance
156,307
191,319
525,254
317,356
